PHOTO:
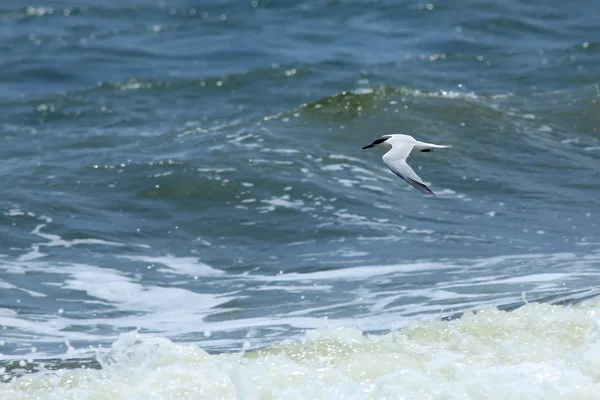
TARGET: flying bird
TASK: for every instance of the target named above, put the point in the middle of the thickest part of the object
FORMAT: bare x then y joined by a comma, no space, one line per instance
397,149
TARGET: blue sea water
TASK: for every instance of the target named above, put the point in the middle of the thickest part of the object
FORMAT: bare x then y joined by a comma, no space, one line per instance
191,171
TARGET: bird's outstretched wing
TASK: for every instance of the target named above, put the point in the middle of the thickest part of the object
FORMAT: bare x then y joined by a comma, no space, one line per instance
396,161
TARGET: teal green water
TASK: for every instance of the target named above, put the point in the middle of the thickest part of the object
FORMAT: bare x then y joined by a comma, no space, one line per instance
192,169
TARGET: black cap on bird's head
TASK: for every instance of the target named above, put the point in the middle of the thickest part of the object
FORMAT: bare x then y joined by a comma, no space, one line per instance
375,143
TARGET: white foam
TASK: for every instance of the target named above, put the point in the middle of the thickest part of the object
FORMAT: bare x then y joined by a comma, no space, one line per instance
171,310
373,188
334,167
179,265
371,297
109,285
55,241
535,352
357,273
283,202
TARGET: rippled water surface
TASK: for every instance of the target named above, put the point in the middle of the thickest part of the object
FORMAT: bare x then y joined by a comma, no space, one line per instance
191,171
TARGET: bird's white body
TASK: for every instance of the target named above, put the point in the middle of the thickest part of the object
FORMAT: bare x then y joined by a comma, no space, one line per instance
397,149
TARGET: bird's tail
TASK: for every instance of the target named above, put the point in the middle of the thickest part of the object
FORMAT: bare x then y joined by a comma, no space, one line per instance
422,146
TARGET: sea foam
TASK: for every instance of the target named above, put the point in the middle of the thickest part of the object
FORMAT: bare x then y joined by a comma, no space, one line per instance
538,351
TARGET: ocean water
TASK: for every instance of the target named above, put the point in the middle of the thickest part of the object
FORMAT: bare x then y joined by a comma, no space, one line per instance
186,213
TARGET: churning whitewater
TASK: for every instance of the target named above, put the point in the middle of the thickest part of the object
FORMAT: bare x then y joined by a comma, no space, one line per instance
538,351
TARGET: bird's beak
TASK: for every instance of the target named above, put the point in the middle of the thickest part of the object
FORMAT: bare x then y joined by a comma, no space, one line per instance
366,147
